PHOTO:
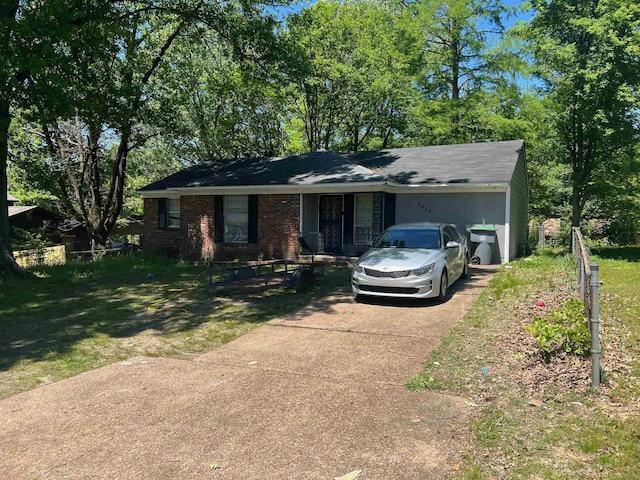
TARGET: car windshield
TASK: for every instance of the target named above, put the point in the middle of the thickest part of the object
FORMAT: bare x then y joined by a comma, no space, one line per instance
409,238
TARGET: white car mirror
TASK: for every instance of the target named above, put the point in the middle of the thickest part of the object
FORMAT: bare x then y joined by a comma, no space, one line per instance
452,244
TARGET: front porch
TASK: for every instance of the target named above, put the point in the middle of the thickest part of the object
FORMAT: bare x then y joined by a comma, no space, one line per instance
344,224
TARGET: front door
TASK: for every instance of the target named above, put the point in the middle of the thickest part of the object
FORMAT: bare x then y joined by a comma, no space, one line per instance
330,223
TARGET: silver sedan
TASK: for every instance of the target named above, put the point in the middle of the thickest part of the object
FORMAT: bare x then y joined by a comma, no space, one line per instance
412,260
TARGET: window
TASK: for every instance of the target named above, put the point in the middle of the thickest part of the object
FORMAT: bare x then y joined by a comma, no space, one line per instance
409,238
236,219
173,213
453,234
446,237
168,213
363,221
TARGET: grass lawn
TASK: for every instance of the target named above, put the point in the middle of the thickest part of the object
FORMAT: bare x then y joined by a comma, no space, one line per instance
536,416
80,317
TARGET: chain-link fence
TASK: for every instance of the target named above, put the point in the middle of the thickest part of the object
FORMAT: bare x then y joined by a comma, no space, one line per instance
589,288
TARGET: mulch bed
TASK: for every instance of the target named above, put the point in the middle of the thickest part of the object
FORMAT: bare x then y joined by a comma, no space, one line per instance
519,362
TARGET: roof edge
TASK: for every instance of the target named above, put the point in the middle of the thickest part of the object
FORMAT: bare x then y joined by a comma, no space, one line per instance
387,186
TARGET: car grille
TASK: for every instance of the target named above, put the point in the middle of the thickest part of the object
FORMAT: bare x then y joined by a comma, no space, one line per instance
379,274
374,288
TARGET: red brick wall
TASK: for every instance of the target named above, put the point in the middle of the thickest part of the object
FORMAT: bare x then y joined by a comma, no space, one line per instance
197,224
156,240
278,226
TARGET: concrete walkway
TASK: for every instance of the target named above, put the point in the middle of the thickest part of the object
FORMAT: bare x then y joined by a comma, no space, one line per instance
313,395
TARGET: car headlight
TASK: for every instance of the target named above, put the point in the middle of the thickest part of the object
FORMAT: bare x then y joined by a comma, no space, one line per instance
357,268
423,270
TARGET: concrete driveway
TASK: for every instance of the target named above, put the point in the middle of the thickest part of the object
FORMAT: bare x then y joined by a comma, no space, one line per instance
313,395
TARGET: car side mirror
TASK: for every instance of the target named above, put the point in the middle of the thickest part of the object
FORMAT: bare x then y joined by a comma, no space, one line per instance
370,243
452,244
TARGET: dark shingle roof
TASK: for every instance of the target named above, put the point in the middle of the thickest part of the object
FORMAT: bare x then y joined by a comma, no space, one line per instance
310,169
476,163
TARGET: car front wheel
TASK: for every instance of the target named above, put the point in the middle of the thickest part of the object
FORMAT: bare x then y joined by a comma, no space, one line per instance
444,286
465,268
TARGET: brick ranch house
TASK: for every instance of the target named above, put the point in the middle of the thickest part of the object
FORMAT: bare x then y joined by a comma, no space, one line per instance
336,203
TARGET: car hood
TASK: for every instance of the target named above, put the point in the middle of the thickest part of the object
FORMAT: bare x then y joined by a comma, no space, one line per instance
391,259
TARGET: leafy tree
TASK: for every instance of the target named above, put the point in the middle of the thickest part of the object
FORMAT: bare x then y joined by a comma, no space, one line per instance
227,109
587,51
32,39
27,161
468,68
8,11
358,89
547,176
118,95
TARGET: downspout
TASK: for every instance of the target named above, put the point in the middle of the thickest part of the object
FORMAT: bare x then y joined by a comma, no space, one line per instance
507,227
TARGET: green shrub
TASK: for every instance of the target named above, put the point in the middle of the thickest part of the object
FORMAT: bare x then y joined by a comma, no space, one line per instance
550,252
564,330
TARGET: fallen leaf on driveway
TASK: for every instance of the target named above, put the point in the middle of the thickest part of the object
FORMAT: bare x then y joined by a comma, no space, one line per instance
350,476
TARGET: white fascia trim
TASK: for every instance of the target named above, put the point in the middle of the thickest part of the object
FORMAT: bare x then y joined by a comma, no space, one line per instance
160,194
447,188
359,187
269,189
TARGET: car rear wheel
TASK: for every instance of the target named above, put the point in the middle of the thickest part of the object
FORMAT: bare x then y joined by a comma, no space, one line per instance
444,287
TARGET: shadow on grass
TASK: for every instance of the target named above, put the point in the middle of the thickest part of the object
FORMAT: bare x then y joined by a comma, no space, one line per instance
45,319
629,254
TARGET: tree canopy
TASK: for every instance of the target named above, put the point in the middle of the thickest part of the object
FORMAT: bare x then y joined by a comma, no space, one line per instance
587,54
94,82
98,98
358,88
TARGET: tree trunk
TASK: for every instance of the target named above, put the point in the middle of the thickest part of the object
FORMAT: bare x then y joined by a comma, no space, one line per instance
455,89
8,266
576,207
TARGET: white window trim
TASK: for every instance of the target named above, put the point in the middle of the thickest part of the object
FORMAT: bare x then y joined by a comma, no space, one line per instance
243,230
173,214
369,226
